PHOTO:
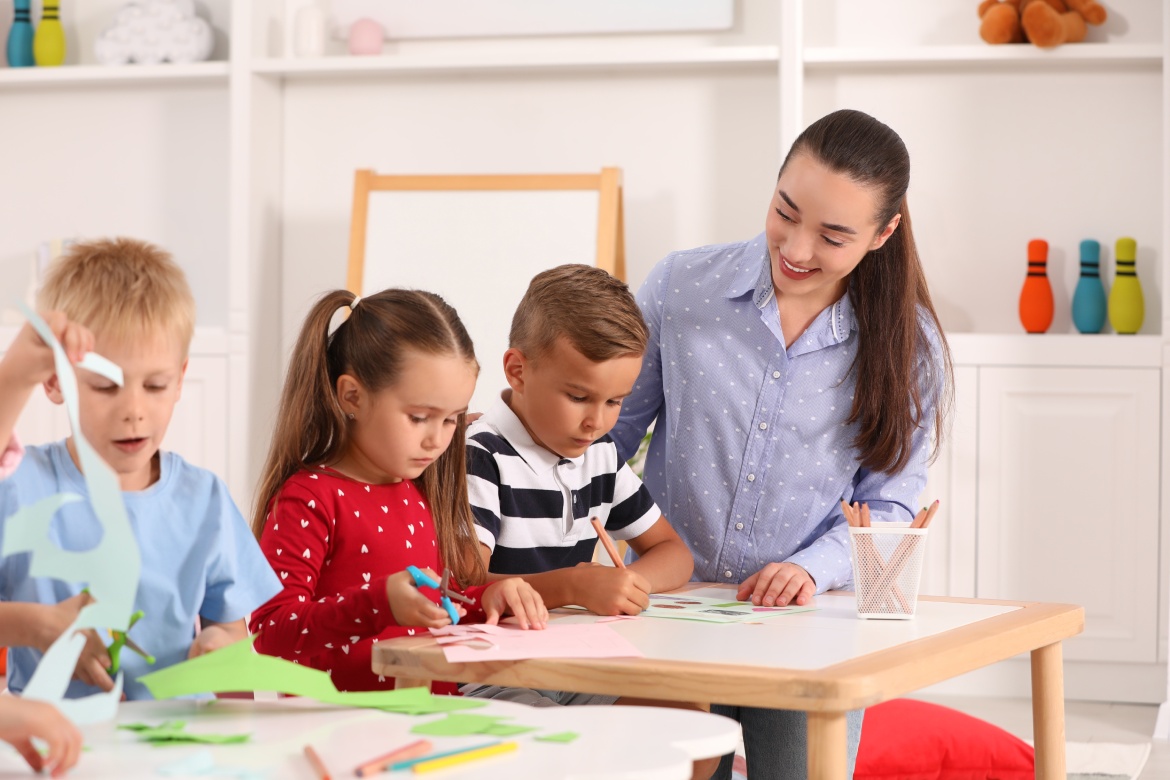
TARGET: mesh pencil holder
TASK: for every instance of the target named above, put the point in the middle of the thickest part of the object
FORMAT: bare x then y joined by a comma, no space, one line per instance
887,567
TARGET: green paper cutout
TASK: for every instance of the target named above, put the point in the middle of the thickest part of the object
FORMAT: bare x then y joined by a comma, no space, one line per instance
563,737
174,725
174,732
436,704
457,725
238,668
507,730
733,604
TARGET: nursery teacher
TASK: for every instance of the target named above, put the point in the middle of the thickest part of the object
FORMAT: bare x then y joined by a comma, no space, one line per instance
787,372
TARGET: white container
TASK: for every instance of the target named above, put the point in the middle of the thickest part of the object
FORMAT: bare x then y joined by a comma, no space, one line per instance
887,568
310,31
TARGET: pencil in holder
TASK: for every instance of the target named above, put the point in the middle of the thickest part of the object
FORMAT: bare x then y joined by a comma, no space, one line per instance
887,568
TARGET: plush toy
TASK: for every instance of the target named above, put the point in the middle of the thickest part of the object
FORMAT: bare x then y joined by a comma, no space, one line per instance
1046,23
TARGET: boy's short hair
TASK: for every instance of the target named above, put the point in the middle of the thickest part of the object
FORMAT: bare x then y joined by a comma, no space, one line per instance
585,304
121,288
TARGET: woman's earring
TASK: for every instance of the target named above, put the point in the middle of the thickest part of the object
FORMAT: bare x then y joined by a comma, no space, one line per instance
351,415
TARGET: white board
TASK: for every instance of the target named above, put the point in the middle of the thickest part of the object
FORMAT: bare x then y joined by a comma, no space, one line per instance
479,250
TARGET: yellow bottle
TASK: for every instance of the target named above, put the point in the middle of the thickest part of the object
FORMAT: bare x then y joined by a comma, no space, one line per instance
1126,306
49,41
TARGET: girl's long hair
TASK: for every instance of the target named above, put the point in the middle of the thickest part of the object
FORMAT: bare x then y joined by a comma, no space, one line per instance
895,363
312,431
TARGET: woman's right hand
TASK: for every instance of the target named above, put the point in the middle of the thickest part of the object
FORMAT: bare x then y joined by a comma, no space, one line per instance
23,719
412,608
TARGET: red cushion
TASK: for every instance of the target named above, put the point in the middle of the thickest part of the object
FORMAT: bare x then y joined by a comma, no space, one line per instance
914,740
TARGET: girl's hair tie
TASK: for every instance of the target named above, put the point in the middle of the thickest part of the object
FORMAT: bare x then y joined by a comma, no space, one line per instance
356,299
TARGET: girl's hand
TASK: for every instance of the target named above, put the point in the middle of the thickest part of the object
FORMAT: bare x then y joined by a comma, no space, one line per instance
515,596
23,719
30,360
412,608
777,585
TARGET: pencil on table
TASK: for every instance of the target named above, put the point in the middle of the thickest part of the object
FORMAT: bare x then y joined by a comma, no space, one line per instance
607,543
462,758
378,765
317,764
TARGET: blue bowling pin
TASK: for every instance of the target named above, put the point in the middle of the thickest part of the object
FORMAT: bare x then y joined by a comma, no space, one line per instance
20,37
1089,305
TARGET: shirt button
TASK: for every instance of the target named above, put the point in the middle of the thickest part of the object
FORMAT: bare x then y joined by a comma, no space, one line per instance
727,574
775,374
763,426
739,526
751,477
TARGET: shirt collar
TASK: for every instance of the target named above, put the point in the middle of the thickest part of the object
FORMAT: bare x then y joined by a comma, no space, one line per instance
754,271
504,420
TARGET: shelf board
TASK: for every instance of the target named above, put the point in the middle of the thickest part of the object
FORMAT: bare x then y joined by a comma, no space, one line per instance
1015,55
83,75
1052,350
565,59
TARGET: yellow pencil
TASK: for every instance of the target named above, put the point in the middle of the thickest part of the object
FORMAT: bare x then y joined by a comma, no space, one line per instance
461,758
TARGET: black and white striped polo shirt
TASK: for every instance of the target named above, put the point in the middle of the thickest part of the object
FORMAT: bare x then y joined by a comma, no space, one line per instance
532,507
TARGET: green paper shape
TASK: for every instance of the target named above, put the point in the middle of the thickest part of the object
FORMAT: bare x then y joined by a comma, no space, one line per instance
174,725
563,737
734,604
238,668
174,732
507,730
457,725
435,704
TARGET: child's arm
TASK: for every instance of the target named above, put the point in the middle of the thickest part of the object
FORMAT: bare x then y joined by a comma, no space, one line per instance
663,557
22,720
29,362
603,590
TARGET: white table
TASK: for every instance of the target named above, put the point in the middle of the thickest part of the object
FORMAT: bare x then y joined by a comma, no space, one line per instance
825,662
632,743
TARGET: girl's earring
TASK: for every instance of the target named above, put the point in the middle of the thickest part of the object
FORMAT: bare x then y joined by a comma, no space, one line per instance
351,415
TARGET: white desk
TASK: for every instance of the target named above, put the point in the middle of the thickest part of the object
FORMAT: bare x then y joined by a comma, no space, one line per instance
824,662
632,743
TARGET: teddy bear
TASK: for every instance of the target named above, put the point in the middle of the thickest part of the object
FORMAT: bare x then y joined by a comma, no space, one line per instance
1046,23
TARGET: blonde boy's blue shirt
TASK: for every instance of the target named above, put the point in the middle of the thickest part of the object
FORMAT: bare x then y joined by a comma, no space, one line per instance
752,451
198,558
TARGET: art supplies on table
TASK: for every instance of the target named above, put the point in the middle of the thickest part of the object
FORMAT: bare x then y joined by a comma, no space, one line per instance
481,642
607,543
422,580
709,610
887,561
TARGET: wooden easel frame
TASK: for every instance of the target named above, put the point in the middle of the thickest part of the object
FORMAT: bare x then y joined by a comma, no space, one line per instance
611,241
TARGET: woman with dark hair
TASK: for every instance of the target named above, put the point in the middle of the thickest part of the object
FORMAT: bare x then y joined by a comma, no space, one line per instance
788,372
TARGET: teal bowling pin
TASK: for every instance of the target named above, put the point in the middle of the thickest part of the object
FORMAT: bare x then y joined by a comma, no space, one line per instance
1126,306
49,41
1088,304
20,37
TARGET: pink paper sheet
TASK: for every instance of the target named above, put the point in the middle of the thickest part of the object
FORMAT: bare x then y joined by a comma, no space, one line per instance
574,640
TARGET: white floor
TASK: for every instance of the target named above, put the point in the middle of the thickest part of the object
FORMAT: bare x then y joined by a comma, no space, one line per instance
1084,722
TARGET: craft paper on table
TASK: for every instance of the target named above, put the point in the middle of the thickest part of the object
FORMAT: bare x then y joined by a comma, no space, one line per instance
175,732
683,607
501,643
459,725
202,763
238,667
563,737
110,569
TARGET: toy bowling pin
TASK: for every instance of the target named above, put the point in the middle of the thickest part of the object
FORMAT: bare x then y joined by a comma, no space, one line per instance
20,37
1088,304
1126,306
49,41
1036,298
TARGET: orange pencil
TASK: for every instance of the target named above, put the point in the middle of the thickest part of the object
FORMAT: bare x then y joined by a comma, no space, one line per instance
378,765
317,764
930,514
607,543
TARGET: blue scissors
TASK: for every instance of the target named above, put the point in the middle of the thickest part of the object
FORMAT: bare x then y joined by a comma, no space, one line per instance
422,580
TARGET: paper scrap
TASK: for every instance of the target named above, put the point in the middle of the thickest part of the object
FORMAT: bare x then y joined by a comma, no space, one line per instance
202,764
558,640
459,725
563,737
175,731
709,610
507,730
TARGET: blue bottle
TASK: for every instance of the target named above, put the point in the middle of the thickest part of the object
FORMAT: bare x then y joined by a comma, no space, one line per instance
20,37
1089,305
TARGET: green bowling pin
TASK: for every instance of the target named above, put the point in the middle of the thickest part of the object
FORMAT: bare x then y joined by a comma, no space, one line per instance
49,41
1126,306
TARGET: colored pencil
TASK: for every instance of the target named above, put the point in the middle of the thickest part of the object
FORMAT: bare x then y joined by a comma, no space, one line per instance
410,762
607,543
317,764
464,757
378,765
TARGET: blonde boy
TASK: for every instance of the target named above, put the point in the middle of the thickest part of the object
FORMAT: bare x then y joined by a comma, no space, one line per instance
128,301
541,463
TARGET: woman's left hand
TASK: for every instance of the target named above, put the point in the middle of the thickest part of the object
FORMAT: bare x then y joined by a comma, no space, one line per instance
516,596
778,584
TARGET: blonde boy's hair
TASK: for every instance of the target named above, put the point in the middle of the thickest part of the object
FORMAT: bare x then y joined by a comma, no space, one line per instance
584,304
121,288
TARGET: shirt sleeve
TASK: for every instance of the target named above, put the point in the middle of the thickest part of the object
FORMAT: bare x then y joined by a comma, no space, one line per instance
891,497
643,405
634,510
296,542
483,490
238,578
11,456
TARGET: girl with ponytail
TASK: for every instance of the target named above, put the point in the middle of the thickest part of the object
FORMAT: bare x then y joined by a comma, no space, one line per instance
366,476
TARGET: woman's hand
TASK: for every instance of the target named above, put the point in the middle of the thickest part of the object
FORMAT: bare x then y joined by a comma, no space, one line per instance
514,595
777,585
412,608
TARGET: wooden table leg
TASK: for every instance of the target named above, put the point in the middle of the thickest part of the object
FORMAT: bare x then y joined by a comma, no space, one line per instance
1048,711
826,746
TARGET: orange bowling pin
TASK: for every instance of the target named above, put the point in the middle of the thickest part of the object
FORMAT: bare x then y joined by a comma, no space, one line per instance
1036,304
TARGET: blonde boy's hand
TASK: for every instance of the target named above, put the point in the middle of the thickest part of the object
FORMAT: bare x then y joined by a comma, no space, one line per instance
412,608
23,719
608,590
514,595
30,359
777,585
211,637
